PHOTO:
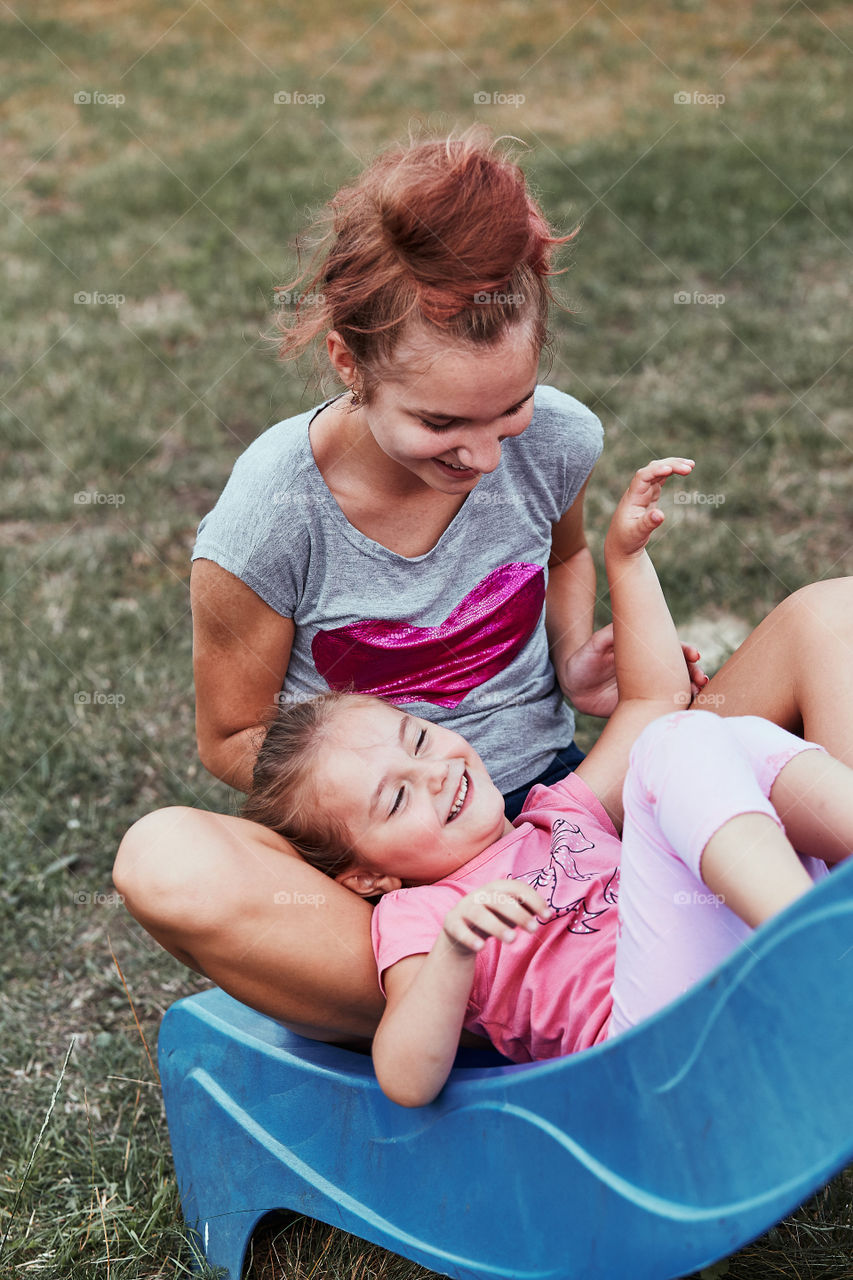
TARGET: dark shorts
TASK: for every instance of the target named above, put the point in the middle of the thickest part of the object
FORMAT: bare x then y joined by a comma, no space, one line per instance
565,761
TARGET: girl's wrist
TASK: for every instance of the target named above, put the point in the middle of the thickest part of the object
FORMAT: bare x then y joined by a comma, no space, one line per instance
616,555
448,951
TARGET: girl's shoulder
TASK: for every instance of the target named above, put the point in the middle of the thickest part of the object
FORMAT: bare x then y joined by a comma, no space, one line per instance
260,523
557,410
552,459
273,455
275,471
565,428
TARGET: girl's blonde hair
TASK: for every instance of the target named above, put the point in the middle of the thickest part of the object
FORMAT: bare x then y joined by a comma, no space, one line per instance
283,796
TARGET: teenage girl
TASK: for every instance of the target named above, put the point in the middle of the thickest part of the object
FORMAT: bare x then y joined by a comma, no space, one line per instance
392,805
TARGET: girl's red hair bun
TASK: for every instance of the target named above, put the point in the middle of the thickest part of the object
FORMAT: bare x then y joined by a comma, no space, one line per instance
444,230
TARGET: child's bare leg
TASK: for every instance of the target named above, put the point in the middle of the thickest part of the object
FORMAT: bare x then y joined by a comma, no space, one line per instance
751,865
796,669
813,795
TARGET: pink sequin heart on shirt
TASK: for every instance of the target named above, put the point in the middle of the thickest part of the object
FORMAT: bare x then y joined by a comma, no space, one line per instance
405,663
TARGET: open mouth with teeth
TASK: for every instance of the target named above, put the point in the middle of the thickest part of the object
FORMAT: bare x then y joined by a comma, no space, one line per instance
460,798
455,467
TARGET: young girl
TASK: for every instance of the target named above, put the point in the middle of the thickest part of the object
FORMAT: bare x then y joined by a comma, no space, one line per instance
512,931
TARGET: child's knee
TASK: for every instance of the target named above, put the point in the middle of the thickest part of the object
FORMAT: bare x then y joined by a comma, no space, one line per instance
821,608
682,738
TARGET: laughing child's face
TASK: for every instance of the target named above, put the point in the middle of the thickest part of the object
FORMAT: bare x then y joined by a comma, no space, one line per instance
415,797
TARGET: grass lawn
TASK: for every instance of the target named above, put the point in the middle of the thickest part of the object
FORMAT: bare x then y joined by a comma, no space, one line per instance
152,189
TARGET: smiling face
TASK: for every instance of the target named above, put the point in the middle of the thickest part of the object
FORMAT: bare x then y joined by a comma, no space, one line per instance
415,797
441,409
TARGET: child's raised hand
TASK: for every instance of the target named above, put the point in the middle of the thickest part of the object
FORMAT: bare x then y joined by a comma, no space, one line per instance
636,517
494,910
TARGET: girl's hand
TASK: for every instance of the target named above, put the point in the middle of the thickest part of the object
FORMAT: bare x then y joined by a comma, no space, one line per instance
698,679
590,674
494,911
636,517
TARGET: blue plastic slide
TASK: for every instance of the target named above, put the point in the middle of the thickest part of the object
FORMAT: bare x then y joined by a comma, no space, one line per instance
650,1156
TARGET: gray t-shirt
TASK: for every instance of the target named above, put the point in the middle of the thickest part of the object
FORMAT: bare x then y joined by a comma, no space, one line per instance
456,634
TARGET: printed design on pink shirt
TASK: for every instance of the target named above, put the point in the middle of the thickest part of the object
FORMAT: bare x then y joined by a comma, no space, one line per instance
580,916
557,882
397,660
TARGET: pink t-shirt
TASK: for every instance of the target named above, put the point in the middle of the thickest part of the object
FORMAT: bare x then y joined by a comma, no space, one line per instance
547,993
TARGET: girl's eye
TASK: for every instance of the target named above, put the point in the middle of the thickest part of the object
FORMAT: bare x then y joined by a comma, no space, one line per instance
444,426
398,799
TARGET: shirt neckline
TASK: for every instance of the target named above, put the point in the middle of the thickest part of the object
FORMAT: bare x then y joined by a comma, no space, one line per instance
355,536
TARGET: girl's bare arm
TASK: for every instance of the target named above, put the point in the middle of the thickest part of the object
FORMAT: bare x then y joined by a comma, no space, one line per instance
583,659
427,995
570,598
650,669
241,649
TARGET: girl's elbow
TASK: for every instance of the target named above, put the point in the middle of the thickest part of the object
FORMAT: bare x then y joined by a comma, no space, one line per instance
405,1088
405,1094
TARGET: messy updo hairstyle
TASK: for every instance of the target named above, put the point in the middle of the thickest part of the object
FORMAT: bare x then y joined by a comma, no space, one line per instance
284,796
444,232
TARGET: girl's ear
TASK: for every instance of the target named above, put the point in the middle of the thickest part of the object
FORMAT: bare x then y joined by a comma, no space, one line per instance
341,357
367,884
